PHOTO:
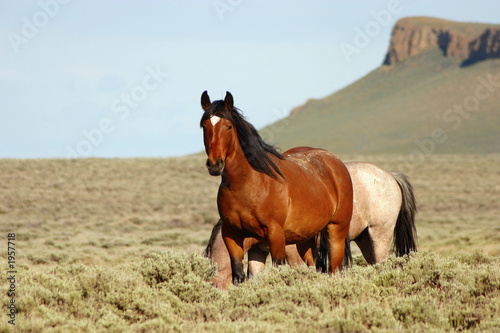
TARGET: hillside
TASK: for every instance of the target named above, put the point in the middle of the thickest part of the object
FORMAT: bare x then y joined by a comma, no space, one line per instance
438,91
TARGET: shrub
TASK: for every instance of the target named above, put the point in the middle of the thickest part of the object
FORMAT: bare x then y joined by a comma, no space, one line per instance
170,291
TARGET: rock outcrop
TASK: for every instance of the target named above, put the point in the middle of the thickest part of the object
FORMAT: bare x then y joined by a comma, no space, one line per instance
466,42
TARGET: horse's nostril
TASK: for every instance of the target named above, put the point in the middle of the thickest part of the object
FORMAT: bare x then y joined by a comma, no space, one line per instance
215,167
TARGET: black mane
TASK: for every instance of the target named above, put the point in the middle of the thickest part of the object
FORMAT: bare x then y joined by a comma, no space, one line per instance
254,147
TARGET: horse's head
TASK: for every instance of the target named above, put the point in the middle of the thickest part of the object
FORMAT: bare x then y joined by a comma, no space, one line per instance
219,134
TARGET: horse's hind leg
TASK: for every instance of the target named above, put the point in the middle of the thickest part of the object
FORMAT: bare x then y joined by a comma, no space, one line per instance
374,245
307,252
336,235
365,244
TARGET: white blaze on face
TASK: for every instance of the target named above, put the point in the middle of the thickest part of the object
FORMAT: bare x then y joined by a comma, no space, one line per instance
214,120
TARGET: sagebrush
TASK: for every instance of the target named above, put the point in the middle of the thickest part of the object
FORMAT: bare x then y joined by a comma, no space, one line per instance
109,245
170,291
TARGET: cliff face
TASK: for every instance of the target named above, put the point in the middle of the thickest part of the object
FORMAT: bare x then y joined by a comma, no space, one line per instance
466,42
428,104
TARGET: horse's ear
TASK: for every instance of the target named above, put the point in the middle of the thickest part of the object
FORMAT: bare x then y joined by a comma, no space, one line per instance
205,101
229,101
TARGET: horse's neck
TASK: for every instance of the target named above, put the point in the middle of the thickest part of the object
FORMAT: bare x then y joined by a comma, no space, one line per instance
237,170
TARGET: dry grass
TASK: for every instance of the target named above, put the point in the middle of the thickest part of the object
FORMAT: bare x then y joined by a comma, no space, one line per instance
79,221
105,210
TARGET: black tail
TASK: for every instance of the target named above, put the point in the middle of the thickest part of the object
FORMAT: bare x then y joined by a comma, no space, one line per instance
347,261
405,233
322,258
208,250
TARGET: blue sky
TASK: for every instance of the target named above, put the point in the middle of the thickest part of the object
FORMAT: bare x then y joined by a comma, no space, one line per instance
124,78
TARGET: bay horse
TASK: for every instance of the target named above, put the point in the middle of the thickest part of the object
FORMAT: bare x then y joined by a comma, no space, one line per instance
384,209
275,199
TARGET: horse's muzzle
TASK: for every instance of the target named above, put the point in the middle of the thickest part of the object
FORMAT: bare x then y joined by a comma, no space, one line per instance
215,169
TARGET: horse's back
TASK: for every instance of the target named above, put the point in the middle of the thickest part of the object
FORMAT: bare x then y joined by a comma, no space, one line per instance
313,171
377,199
321,165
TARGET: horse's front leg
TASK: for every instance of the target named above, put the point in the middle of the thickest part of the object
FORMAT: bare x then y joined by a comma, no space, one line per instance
234,244
293,256
276,238
256,261
218,254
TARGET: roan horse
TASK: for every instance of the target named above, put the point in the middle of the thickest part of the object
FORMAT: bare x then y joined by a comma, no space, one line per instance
272,198
383,213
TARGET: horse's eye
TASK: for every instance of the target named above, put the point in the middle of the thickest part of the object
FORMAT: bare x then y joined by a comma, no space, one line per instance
230,127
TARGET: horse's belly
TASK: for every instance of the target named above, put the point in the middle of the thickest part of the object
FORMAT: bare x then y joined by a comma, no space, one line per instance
360,215
307,217
357,226
298,236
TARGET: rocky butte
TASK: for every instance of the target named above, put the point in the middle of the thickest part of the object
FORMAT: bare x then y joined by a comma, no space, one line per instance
437,91
466,42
